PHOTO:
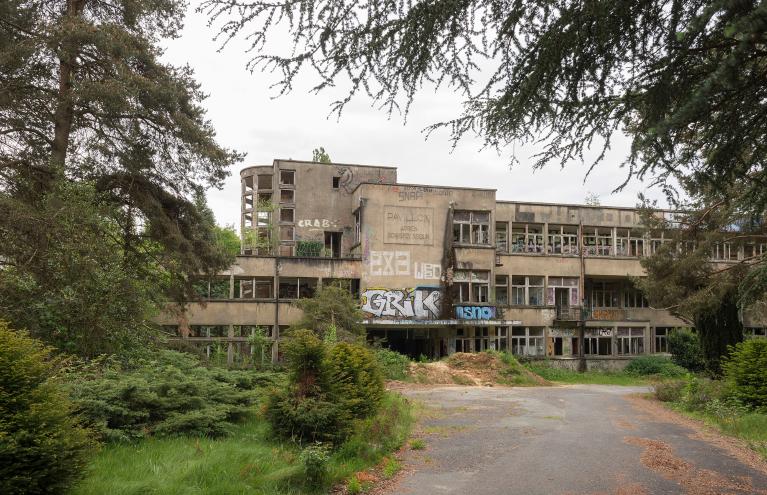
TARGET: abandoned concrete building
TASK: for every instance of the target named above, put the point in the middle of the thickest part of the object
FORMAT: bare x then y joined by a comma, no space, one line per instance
533,278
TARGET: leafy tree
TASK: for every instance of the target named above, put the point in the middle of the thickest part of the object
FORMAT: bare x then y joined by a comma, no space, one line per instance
683,80
92,121
685,349
332,310
746,369
319,155
228,239
43,446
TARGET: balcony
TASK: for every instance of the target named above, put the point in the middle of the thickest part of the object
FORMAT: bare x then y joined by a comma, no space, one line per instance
568,314
606,314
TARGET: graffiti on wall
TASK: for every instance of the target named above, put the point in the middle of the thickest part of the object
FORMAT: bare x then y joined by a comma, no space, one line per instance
389,263
421,303
475,312
409,225
318,223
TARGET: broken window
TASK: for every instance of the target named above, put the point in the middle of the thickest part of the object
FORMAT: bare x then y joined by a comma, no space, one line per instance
527,341
502,289
286,233
265,181
351,285
563,239
333,244
358,225
248,181
287,177
472,286
630,243
633,298
297,288
526,238
502,237
661,338
755,332
598,241
287,196
603,295
209,331
287,214
248,220
527,290
253,287
471,227
249,201
630,341
263,218
725,251
598,341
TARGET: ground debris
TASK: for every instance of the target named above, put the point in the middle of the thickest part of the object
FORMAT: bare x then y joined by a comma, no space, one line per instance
477,369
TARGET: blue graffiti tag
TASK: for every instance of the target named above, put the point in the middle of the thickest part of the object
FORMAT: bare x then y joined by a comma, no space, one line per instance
475,312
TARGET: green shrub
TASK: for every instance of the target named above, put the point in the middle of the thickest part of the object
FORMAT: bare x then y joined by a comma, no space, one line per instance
394,365
686,350
390,468
699,392
169,394
314,459
305,356
43,447
353,485
307,418
746,370
417,444
654,365
670,391
355,379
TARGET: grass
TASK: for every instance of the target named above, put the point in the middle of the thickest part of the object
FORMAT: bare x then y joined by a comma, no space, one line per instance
562,375
750,427
249,461
417,444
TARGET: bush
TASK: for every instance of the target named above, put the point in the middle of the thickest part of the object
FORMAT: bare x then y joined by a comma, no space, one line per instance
355,379
654,365
314,459
43,447
670,391
686,350
699,392
394,365
307,418
169,394
746,370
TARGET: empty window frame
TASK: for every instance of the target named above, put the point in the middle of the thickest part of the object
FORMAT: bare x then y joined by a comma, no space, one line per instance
264,201
265,181
755,332
598,342
286,249
630,341
563,239
471,227
287,196
248,182
351,285
527,290
297,288
630,243
247,220
333,244
358,225
661,338
254,287
287,215
598,241
526,238
209,331
263,218
656,241
527,341
725,251
754,249
287,233
248,201
633,298
502,237
603,295
472,286
336,182
563,292
502,289
215,288
287,177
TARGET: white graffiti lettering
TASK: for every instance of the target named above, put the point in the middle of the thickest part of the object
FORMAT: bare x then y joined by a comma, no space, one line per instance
427,271
318,223
384,263
420,303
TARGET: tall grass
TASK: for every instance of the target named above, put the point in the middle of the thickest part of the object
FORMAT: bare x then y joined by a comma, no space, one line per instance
249,461
563,375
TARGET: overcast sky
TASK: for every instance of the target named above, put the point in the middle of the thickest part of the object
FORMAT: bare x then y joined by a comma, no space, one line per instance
248,118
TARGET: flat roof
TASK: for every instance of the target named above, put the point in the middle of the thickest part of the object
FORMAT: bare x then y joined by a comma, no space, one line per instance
575,205
428,186
309,162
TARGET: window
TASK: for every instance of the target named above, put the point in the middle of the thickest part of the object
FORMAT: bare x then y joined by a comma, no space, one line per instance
253,287
527,341
753,249
598,341
630,341
263,218
287,177
755,332
215,288
336,182
287,196
598,241
248,181
502,289
526,238
471,227
502,237
604,295
563,239
264,201
472,286
563,292
352,285
357,225
286,249
527,290
286,233
333,244
287,214
724,252
478,339
249,202
630,243
661,338
297,288
633,298
265,181
248,220
208,331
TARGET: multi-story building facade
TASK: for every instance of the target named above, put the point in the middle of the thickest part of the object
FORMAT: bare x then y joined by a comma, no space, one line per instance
437,269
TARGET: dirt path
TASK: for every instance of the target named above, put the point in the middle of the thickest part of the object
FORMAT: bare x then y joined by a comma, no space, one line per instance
575,440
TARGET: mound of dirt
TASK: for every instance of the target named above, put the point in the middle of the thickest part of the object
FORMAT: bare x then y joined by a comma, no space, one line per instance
483,368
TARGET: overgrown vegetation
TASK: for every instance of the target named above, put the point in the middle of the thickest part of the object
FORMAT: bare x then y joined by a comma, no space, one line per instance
393,365
658,366
684,346
167,394
43,446
331,307
736,403
563,375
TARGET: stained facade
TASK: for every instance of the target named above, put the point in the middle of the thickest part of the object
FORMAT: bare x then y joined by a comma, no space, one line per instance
437,269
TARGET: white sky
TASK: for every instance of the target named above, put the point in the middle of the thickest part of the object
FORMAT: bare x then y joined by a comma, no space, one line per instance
248,119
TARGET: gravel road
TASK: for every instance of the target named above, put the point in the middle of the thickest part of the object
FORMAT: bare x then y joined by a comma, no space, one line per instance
581,439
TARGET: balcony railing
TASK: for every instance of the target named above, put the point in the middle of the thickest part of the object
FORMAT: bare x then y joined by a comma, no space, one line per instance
569,313
602,314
